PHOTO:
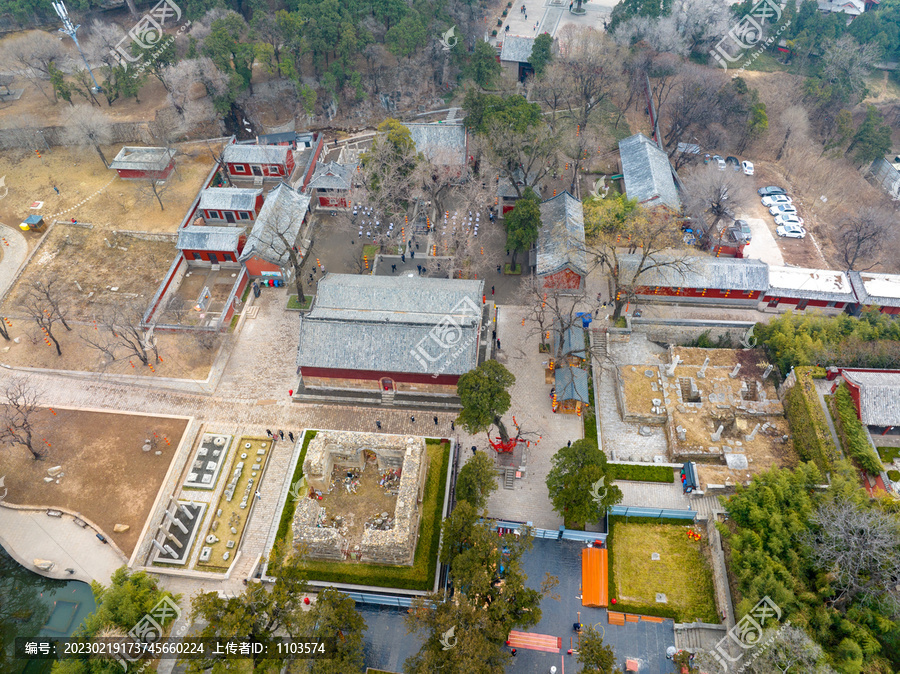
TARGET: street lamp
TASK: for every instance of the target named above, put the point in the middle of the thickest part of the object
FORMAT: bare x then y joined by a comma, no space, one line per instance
69,30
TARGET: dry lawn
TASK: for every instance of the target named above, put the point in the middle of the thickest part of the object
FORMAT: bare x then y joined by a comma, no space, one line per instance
184,356
682,573
84,264
108,478
79,174
638,393
232,514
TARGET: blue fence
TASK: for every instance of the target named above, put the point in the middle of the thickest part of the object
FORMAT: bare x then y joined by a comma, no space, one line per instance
664,513
380,599
551,534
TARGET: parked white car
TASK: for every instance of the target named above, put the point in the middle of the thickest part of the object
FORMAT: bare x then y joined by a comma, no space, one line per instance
783,209
748,167
720,163
788,219
776,200
791,231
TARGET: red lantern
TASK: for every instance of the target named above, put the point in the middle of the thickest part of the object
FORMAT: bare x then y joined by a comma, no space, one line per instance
613,600
306,600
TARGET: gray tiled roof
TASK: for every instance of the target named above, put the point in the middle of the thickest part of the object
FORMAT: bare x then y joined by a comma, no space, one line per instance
228,199
647,172
441,142
882,290
811,284
256,154
332,176
205,237
696,272
571,384
561,238
392,324
879,396
142,158
516,48
573,341
282,212
505,187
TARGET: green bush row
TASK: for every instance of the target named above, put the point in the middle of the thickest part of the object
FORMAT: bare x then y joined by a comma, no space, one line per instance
853,435
809,427
287,514
650,473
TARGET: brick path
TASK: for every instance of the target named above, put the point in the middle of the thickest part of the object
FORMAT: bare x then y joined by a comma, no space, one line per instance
529,500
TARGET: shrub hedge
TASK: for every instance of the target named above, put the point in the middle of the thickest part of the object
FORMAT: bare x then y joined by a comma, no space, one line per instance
284,524
854,437
650,473
809,427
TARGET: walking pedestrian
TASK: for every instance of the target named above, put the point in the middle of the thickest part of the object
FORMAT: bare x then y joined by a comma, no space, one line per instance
56,189
493,334
435,421
403,257
393,269
498,345
474,449
268,432
499,269
412,419
569,443
419,268
258,495
417,245
492,291
513,652
412,255
281,433
452,425
291,435
378,425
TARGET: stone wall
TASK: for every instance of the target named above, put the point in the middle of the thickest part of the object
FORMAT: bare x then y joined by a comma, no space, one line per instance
312,540
396,546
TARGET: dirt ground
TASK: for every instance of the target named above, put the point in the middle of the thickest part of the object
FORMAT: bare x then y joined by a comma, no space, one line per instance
88,269
79,174
357,508
639,393
184,356
107,478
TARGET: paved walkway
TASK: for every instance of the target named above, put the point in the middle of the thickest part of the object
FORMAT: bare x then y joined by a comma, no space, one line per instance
29,535
529,500
14,249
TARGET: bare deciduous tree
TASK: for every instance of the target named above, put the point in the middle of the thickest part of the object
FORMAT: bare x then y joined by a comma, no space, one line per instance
847,64
787,649
31,55
279,240
121,336
592,67
153,189
796,123
862,237
20,407
87,127
858,546
45,303
702,22
713,196
661,34
694,103
651,232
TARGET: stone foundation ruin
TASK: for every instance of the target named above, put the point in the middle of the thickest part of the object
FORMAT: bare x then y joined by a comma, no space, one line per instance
315,539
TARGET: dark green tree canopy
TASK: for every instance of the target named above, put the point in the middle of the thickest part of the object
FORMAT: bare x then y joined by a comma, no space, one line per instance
579,483
523,223
484,397
477,479
541,53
